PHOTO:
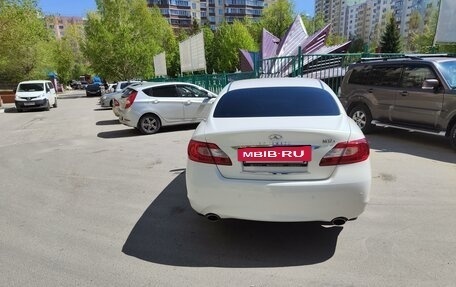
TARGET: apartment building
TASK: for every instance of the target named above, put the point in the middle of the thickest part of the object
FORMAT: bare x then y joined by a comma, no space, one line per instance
59,24
182,13
366,19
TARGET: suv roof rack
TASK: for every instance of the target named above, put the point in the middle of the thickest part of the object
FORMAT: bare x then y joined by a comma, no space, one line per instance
405,56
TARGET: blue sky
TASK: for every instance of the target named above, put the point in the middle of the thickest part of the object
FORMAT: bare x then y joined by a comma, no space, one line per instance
81,7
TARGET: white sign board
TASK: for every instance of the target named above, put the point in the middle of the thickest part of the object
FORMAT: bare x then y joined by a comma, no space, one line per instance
160,65
447,22
191,52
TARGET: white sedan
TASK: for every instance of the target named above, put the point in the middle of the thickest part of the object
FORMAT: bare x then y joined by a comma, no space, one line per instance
278,150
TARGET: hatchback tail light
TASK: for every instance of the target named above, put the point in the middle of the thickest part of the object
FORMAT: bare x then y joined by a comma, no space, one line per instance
207,153
347,152
131,99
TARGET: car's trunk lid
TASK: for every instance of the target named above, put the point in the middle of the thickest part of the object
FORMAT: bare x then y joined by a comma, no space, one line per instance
317,135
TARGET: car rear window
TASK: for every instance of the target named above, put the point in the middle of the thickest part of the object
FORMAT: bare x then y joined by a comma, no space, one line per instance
276,102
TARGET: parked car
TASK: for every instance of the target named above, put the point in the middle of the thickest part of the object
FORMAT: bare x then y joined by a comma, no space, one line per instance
415,93
95,89
75,85
122,85
110,87
149,106
278,150
107,100
38,94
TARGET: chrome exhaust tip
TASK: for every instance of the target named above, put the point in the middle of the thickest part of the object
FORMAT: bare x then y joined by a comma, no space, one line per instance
339,221
212,217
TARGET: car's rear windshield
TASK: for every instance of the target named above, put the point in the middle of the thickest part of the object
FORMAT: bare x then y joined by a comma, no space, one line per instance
276,102
31,87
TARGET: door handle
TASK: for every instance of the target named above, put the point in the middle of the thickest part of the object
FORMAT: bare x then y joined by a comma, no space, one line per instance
188,102
404,93
370,90
155,101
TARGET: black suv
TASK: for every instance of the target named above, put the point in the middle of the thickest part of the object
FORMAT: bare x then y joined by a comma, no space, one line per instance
416,93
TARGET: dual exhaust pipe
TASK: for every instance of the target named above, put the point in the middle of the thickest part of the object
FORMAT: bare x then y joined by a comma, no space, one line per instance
336,221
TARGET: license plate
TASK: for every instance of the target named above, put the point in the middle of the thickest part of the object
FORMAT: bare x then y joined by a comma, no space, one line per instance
276,154
29,104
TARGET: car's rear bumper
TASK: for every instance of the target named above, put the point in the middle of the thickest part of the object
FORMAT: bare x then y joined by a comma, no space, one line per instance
344,194
127,119
106,103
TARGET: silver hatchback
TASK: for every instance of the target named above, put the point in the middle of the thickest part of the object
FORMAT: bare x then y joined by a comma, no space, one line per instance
150,106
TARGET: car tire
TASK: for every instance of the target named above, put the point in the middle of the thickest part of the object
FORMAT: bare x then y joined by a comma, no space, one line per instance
453,136
55,103
149,124
362,117
111,103
48,106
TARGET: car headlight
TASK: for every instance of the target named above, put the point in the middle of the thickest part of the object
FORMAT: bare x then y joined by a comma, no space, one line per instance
104,97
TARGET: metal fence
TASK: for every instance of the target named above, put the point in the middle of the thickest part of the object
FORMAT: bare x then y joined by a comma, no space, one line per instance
330,68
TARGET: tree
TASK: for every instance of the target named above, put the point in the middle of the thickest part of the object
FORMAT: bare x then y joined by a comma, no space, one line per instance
123,37
278,17
424,41
70,63
25,43
255,29
208,48
390,41
228,39
357,45
313,24
334,39
414,26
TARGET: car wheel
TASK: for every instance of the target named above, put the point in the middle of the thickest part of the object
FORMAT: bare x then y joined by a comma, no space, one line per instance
48,106
362,117
149,124
55,103
453,136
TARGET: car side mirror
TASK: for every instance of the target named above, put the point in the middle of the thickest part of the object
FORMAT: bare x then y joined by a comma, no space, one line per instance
430,84
210,95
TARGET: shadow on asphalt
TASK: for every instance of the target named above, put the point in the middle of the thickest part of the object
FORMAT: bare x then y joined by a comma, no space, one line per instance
108,122
134,132
119,134
416,144
67,97
11,110
102,109
14,110
171,233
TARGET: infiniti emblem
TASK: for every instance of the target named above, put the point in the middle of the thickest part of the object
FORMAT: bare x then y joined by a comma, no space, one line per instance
275,137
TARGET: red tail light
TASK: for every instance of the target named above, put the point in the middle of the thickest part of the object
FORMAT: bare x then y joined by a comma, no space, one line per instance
116,103
131,99
347,152
207,153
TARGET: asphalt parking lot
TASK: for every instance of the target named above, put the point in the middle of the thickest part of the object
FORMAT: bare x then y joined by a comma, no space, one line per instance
85,201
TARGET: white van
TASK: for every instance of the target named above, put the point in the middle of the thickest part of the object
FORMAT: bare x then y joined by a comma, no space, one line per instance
39,94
